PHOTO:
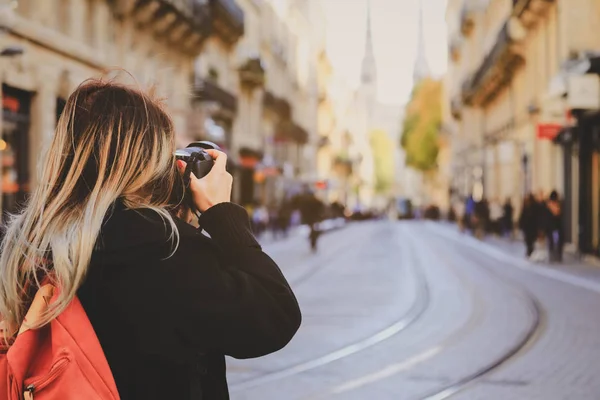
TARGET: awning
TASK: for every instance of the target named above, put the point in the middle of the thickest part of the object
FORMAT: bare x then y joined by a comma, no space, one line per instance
588,63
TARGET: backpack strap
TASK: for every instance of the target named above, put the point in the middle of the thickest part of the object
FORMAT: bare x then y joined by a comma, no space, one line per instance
38,307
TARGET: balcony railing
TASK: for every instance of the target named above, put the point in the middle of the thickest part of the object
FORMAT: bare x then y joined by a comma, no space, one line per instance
207,90
454,47
528,11
252,73
467,19
227,20
497,67
185,23
456,104
278,105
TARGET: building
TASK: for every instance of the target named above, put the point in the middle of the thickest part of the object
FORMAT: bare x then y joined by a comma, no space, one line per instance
519,79
50,47
291,41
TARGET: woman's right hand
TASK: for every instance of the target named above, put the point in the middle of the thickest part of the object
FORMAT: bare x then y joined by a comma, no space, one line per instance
215,187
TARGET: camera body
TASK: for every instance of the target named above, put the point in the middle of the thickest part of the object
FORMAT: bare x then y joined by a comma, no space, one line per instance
198,162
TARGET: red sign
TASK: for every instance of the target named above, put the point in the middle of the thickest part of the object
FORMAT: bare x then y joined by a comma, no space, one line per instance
248,162
11,103
548,131
321,185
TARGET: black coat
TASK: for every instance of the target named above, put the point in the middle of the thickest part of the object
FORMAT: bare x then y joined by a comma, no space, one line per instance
165,324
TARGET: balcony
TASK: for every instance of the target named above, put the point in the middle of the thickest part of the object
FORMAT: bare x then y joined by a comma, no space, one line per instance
467,19
252,73
454,47
183,23
530,11
287,131
498,67
227,20
209,91
279,106
456,107
299,134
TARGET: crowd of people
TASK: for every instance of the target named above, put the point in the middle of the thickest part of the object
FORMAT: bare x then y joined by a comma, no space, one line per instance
540,221
301,209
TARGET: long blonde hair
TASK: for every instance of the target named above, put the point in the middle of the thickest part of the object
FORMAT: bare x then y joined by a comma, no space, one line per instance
111,142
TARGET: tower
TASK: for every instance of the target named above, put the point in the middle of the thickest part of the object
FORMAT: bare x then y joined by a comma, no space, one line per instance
421,69
369,68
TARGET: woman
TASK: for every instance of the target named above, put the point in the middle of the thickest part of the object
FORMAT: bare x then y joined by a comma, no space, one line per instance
528,222
106,224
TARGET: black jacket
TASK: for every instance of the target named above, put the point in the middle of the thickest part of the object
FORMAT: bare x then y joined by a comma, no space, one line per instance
166,323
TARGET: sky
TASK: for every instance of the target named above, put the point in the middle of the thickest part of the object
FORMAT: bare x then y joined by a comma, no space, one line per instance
394,26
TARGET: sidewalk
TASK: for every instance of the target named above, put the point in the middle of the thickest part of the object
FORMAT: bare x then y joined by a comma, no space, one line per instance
586,268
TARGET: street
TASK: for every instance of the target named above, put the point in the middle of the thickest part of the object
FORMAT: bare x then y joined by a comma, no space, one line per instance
415,310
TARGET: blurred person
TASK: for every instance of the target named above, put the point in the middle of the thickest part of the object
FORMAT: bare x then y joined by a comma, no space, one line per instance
507,218
283,219
529,223
108,223
496,214
260,219
469,214
482,217
553,227
312,210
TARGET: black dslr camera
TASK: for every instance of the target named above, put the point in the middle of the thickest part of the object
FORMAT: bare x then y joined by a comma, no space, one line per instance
198,161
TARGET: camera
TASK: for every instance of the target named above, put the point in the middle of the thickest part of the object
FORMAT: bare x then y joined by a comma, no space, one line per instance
198,162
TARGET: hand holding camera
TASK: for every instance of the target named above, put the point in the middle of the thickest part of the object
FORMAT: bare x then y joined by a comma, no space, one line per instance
209,182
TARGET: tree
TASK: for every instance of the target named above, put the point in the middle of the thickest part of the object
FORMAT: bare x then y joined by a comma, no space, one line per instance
421,125
383,158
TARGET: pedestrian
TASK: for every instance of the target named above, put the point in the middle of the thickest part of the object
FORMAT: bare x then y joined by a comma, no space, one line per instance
469,215
109,224
507,218
529,223
312,210
554,227
496,214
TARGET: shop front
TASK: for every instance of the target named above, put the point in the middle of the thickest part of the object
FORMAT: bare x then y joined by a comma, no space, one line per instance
580,141
14,148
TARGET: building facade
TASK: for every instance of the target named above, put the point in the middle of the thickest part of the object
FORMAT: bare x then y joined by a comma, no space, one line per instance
51,46
513,97
240,73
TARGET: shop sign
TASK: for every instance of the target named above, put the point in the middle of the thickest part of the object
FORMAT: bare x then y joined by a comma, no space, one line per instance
248,162
11,103
548,131
584,92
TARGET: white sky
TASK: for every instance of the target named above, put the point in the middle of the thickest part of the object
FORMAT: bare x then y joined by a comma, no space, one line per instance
394,26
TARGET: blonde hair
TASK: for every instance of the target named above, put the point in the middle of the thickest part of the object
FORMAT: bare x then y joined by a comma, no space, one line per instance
111,142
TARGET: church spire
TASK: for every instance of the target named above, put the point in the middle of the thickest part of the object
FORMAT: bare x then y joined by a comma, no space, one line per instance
421,70
369,72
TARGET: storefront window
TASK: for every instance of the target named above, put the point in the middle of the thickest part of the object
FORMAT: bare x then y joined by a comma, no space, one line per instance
14,144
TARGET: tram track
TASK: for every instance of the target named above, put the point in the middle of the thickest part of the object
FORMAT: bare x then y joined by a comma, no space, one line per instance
417,309
527,339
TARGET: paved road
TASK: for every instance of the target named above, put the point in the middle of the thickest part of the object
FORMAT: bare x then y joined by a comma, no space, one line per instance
413,310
